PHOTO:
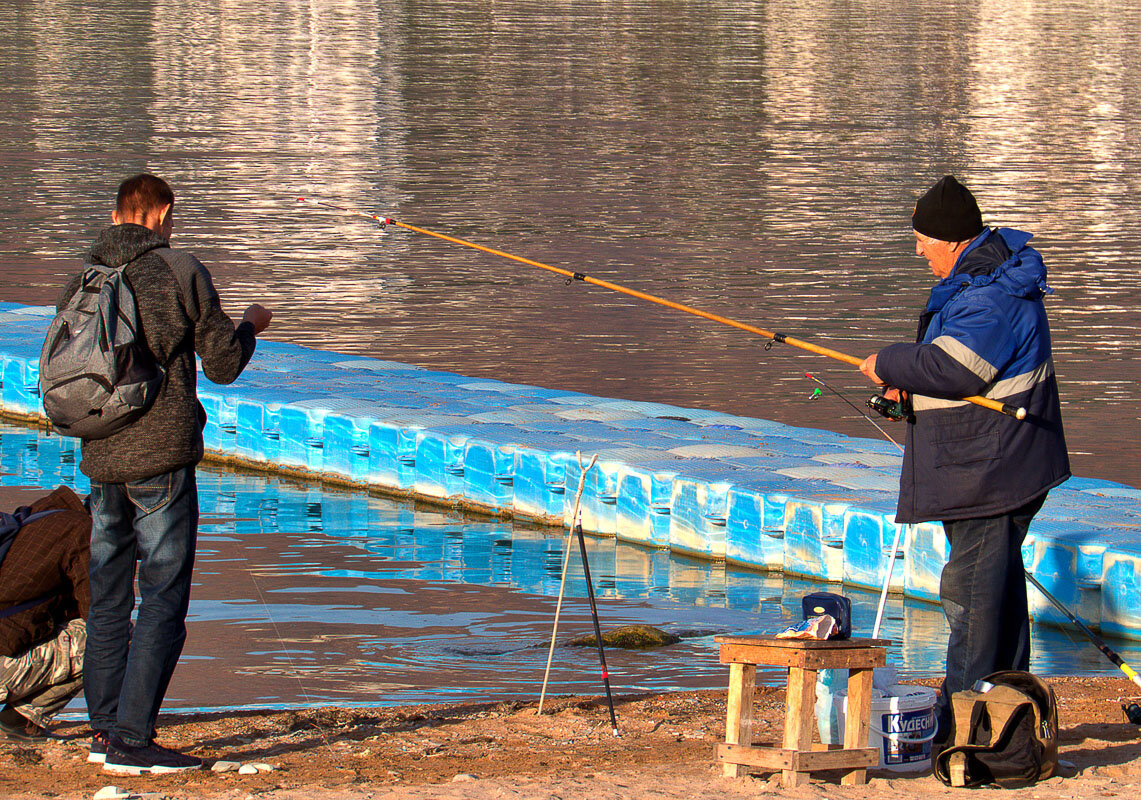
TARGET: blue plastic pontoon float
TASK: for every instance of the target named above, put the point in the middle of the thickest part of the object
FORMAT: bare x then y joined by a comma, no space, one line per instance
753,492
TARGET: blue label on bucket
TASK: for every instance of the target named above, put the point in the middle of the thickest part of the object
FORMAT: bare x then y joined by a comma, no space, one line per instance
907,736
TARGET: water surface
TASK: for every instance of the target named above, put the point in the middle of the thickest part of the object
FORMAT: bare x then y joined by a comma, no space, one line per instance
305,595
756,159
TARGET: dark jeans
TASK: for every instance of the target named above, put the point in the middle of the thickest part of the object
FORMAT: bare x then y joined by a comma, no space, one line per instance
983,589
126,673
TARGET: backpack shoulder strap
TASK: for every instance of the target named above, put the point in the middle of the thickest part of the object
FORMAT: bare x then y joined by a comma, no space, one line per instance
182,275
1003,702
16,609
950,765
10,525
26,516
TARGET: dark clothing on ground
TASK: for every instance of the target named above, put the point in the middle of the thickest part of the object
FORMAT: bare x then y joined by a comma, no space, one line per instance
983,332
49,557
180,314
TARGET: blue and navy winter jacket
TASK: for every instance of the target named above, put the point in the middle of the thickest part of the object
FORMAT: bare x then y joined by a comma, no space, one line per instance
984,332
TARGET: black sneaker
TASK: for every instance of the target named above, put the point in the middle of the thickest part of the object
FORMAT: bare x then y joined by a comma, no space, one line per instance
98,752
123,759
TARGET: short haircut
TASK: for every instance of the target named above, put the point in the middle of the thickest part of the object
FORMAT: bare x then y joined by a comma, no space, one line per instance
141,194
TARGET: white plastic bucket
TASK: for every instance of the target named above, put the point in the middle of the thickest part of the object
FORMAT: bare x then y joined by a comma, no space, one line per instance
831,681
902,726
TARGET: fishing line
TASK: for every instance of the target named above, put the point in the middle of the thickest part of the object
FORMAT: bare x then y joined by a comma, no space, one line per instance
285,651
859,410
1094,639
773,337
899,529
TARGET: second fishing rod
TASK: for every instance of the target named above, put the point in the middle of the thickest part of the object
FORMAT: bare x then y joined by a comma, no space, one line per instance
1132,710
571,276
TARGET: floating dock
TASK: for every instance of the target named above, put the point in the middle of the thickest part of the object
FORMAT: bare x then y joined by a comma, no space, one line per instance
807,502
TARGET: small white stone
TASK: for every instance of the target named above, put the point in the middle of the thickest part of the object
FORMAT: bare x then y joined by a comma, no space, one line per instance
464,776
225,766
261,766
247,769
109,793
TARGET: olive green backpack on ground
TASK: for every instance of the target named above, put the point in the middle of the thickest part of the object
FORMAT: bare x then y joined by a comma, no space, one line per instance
1005,732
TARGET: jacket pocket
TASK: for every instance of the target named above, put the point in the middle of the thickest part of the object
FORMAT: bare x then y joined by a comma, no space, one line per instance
956,446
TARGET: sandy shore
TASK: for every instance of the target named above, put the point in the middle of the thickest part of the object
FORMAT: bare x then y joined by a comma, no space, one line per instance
506,750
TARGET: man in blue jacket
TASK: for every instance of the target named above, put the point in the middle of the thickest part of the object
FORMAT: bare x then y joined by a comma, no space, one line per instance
984,475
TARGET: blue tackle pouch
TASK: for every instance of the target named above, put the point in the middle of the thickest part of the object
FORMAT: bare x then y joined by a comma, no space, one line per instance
834,605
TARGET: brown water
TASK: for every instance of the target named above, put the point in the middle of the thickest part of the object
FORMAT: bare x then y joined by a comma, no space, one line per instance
758,160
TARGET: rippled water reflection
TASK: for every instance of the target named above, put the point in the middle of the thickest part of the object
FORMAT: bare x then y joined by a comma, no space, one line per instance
757,159
306,595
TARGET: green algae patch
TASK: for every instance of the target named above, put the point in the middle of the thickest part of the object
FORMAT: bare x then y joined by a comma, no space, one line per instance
629,637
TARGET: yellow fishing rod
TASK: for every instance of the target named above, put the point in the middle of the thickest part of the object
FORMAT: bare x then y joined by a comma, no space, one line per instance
772,336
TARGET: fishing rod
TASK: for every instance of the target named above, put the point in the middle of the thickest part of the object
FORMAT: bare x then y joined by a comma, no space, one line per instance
1093,637
597,629
1003,408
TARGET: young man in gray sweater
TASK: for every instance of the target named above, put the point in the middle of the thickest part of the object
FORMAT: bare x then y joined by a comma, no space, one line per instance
144,499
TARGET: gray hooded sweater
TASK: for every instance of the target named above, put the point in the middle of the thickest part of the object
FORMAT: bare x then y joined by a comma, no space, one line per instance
180,315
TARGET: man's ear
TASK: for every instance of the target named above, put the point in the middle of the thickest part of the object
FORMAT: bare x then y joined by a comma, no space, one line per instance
115,217
162,215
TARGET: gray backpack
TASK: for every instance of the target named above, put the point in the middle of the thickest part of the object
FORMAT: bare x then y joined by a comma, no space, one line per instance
96,374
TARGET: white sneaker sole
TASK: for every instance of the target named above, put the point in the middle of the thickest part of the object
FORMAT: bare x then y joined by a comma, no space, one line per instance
96,758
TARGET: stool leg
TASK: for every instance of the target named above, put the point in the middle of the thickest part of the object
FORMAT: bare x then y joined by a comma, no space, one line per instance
739,712
858,717
799,712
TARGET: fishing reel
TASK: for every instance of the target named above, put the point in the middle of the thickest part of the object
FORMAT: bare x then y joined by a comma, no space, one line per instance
892,409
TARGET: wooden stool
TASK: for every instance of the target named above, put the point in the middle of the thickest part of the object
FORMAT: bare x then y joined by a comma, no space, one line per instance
797,758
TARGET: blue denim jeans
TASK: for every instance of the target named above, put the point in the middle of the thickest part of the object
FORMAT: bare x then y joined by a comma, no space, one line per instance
983,590
153,522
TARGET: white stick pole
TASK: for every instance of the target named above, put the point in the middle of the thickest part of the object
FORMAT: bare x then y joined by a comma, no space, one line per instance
887,580
566,562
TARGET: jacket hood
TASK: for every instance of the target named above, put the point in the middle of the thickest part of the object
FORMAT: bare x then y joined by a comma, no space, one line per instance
120,244
1022,274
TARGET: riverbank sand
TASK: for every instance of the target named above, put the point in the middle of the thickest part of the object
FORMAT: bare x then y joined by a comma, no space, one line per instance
487,751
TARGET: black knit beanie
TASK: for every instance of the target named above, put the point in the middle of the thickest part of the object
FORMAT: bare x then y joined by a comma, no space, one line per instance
948,212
